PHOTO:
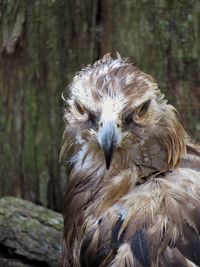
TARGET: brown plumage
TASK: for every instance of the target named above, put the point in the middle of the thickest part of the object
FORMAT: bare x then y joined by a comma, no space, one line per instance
133,193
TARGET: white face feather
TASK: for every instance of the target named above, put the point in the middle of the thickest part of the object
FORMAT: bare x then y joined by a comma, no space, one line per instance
111,108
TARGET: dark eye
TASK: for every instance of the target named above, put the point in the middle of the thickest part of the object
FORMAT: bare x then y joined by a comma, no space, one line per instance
92,118
128,119
143,108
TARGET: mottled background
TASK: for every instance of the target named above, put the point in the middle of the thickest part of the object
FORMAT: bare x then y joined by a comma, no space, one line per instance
44,42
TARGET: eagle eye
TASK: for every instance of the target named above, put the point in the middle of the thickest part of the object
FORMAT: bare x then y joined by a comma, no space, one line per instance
80,108
134,116
90,116
143,108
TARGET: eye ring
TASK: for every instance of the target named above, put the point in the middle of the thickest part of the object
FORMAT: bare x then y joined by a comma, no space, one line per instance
135,116
87,114
79,108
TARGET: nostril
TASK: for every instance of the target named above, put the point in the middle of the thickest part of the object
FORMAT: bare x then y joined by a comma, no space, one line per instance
118,125
101,124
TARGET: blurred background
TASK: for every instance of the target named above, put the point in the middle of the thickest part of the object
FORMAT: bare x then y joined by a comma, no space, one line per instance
44,42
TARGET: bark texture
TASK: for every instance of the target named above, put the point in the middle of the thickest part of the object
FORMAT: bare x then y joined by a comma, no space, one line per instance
43,43
30,235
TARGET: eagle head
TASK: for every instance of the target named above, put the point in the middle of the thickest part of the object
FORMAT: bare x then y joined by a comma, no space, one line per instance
118,111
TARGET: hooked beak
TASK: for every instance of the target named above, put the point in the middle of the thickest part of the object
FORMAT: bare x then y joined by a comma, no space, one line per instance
109,137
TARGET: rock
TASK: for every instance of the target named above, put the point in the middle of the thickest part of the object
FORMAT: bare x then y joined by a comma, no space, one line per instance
30,235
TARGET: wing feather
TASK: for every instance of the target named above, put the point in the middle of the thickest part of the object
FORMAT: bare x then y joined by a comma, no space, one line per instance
140,248
159,226
173,258
189,244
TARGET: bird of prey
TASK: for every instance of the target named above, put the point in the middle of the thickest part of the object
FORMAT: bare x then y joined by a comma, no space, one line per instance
133,192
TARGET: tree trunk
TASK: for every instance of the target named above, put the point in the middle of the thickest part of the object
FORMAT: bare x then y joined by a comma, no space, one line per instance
43,43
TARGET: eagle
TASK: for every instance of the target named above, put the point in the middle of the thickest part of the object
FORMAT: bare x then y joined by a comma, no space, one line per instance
133,191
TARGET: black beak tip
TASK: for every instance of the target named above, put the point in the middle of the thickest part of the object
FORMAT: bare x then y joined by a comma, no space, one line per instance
108,159
107,164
